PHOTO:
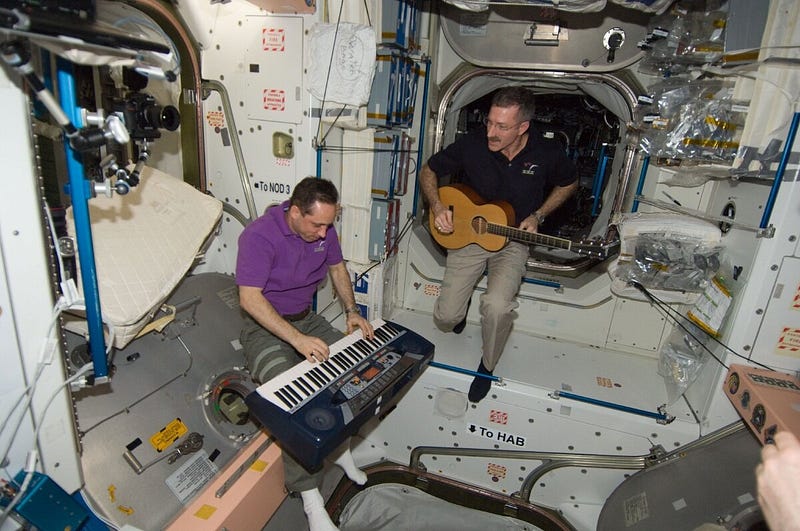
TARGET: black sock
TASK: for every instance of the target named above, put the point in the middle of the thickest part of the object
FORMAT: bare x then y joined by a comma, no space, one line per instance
480,386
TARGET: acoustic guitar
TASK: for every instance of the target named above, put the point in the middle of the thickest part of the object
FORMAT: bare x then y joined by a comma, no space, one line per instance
487,224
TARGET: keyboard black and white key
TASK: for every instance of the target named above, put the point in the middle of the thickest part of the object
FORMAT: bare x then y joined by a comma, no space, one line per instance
295,387
313,407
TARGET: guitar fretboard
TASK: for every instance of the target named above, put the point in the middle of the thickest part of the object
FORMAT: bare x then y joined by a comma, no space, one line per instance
528,237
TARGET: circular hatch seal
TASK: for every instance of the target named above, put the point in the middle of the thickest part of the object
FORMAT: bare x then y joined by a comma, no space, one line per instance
224,407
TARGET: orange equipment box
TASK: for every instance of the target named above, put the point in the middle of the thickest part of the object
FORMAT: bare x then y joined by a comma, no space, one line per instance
768,401
246,503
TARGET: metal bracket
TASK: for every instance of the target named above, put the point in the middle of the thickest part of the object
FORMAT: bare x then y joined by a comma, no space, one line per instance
767,232
192,443
542,34
225,487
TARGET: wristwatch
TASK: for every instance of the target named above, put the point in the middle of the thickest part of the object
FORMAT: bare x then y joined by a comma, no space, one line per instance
539,217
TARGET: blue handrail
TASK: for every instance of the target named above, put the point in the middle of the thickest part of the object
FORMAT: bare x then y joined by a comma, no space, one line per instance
776,184
540,282
599,178
453,368
619,407
640,185
421,144
80,189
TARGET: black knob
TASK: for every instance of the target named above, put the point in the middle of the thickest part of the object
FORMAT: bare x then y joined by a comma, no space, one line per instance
614,42
759,417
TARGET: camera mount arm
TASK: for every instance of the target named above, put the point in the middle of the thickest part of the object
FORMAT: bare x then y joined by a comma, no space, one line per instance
17,56
144,154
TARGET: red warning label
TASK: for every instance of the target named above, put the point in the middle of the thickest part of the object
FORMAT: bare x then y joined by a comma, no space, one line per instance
498,417
432,290
215,119
796,299
789,341
496,471
273,39
274,100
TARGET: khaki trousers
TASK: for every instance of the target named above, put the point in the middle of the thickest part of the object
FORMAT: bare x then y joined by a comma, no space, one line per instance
464,269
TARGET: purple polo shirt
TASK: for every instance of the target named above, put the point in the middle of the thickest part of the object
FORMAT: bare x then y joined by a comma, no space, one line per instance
286,268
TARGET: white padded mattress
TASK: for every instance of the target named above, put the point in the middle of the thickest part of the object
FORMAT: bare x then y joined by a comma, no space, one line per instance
144,243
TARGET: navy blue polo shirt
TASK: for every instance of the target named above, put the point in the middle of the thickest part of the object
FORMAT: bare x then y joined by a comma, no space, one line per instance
521,182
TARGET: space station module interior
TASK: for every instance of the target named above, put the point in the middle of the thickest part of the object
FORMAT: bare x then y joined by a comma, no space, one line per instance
656,338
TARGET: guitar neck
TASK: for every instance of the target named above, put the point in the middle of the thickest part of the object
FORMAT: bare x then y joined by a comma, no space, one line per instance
529,237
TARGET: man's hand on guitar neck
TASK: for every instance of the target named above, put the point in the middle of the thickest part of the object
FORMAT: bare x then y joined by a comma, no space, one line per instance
531,223
443,218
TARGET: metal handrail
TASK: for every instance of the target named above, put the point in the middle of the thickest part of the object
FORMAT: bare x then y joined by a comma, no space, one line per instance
554,460
227,108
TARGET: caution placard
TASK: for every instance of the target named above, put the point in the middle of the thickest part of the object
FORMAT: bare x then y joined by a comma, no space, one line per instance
274,99
215,119
498,417
496,471
796,299
168,435
789,342
273,39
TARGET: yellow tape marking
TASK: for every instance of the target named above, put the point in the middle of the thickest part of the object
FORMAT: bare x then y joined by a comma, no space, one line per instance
205,511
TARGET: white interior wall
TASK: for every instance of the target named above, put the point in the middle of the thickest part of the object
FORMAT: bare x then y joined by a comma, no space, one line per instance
26,308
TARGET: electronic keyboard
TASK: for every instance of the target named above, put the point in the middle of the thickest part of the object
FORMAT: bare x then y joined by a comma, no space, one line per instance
312,408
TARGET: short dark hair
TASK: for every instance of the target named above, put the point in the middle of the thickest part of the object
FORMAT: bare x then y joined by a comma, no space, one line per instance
511,96
313,189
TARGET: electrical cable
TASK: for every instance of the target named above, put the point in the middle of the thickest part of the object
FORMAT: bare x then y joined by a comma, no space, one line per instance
366,10
321,141
30,466
15,500
63,276
361,275
27,392
671,314
31,389
54,239
127,408
735,72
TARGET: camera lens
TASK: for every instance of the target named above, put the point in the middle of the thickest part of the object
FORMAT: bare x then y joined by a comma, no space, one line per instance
170,118
157,117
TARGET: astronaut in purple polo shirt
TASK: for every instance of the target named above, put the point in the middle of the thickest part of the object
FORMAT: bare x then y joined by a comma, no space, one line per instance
283,257
287,267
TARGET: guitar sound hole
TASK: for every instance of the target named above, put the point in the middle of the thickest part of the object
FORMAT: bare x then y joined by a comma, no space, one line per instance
479,224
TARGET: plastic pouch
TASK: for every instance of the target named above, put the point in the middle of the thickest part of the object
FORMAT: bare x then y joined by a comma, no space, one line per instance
671,263
680,361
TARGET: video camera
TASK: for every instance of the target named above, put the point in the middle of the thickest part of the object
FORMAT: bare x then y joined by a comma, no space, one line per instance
144,117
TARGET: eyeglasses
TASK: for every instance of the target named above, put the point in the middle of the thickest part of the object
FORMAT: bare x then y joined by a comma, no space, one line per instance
500,127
